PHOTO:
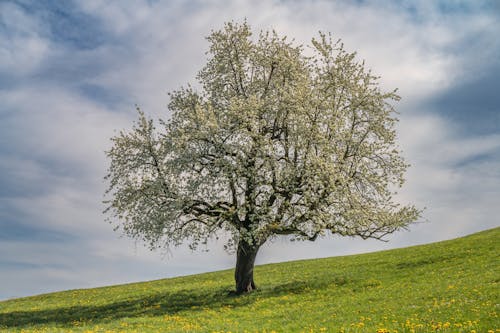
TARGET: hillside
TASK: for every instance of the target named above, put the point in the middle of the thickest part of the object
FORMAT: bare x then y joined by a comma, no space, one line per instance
449,286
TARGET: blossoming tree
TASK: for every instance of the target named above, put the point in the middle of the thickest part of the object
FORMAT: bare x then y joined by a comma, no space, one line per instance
273,142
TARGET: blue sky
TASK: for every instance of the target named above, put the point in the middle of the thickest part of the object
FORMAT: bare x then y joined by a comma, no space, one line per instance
72,71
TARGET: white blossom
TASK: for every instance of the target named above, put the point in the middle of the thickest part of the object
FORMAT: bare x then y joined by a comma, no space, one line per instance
274,143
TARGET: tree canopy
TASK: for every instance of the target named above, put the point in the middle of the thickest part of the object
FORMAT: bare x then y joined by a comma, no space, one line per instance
275,139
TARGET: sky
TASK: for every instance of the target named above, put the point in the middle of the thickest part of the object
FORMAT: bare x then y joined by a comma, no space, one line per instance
71,73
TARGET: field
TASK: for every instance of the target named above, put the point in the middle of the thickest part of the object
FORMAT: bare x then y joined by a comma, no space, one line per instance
449,286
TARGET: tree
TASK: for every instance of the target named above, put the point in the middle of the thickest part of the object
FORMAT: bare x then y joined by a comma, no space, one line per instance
273,142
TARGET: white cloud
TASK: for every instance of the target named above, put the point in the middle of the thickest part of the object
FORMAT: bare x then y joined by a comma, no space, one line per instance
55,124
22,48
455,177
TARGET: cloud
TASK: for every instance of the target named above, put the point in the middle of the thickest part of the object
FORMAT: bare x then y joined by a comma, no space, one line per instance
454,176
70,74
22,48
473,104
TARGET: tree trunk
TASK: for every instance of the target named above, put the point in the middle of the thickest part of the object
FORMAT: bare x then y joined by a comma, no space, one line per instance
245,260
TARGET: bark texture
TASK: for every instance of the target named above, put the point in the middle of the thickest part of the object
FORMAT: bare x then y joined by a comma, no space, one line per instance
245,260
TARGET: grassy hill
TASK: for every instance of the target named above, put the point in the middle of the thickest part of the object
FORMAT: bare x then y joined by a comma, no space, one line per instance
449,286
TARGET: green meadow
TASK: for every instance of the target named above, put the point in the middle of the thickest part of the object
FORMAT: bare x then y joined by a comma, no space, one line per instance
450,286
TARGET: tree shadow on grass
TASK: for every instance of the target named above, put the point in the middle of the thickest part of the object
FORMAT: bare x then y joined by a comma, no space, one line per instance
158,304
166,303
150,305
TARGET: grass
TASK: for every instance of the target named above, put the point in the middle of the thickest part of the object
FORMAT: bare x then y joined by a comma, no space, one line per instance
449,286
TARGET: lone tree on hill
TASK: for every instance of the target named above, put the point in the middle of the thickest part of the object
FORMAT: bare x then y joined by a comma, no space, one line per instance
275,142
